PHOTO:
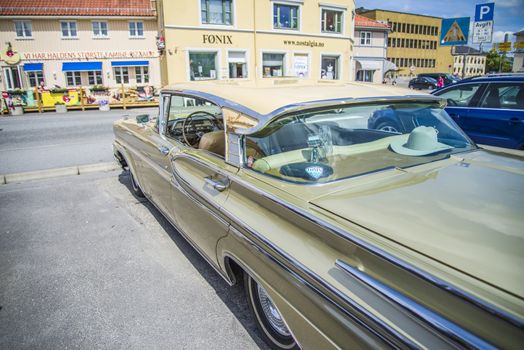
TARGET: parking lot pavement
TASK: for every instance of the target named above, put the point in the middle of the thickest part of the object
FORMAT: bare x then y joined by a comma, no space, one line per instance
84,264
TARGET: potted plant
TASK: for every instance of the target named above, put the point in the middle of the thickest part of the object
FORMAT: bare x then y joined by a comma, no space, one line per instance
60,107
99,88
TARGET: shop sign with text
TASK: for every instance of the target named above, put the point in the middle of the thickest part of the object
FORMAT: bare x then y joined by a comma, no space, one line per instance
87,55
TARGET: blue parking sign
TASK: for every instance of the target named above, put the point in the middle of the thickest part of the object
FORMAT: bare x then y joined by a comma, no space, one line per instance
484,12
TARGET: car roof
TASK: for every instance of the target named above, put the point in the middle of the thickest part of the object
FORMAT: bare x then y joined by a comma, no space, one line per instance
495,78
264,98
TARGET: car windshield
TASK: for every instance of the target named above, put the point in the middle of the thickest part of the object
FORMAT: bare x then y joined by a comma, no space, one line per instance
330,144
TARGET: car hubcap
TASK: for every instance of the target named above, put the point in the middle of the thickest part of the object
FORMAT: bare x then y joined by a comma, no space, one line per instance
271,312
388,129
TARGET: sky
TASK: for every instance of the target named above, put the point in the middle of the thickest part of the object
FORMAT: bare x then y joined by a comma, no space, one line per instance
509,14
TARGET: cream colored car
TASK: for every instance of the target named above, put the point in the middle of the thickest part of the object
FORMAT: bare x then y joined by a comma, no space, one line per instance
344,235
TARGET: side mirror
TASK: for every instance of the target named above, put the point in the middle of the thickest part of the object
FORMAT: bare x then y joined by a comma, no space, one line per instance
142,118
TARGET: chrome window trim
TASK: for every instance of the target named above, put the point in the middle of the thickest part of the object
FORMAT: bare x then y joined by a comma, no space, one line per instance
445,326
437,282
264,119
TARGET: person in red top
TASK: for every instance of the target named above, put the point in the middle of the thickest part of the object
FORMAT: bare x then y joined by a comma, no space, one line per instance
440,82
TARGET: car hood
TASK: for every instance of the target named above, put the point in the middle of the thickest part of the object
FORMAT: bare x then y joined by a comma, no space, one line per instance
466,212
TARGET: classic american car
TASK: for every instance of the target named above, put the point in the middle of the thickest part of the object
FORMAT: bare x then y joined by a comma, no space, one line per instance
344,236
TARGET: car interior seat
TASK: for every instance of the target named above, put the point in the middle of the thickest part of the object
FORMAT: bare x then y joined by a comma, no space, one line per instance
493,99
214,142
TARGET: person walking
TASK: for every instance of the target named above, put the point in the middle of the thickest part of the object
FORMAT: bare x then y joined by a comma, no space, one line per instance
440,82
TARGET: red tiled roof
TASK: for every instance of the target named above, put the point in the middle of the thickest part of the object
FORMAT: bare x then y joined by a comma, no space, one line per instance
361,21
76,8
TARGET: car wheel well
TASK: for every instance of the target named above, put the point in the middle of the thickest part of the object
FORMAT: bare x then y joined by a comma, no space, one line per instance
121,159
234,270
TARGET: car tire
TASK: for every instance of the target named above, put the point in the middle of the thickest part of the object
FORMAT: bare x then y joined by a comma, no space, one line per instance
269,321
134,185
388,126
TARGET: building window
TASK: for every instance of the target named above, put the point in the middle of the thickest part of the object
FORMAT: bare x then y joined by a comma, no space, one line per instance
99,29
73,78
68,29
94,77
332,21
216,11
24,29
365,38
35,78
121,75
203,65
273,65
237,63
285,16
136,29
142,75
12,77
330,68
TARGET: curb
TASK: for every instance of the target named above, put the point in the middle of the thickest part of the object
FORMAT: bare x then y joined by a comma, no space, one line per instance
58,172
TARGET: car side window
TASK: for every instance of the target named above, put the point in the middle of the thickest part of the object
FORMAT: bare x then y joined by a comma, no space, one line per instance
461,95
504,95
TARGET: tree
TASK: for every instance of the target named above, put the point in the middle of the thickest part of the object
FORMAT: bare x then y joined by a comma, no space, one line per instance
493,60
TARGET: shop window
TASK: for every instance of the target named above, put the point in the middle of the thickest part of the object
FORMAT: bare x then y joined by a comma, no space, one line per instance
12,78
332,21
136,29
237,63
68,29
121,75
73,78
365,75
23,29
94,77
330,68
203,65
365,38
35,78
99,29
285,16
301,65
273,65
142,75
216,11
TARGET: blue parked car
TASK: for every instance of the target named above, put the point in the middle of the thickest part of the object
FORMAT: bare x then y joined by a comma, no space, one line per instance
489,109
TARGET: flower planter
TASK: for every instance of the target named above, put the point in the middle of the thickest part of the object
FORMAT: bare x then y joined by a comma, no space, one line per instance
61,108
17,110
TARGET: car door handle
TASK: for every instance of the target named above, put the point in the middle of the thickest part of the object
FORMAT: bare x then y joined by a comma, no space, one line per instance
219,185
163,149
514,121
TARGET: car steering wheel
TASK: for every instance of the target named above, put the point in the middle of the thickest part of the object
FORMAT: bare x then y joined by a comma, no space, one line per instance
188,122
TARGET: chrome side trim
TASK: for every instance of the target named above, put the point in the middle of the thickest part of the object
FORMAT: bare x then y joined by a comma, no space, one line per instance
446,327
492,309
385,327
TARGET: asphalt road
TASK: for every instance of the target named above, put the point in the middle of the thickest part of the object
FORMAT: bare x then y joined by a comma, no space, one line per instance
84,264
50,140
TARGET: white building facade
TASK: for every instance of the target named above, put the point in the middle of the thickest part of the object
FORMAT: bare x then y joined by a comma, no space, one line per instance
369,63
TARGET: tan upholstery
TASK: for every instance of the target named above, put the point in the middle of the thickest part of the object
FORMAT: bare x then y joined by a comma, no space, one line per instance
275,161
214,142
